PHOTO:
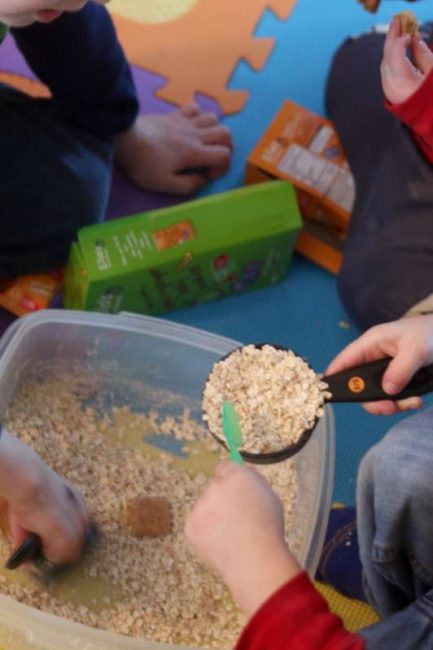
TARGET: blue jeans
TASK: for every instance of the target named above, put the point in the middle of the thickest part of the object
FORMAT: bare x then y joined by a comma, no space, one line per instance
395,531
54,179
388,254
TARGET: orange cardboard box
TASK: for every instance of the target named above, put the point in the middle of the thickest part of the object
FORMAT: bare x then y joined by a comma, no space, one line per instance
303,148
30,293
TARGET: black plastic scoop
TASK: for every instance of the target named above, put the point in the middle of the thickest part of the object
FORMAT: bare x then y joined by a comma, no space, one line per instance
360,384
30,551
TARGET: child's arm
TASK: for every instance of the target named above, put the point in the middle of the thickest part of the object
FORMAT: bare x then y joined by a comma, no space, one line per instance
297,616
408,85
408,340
40,502
237,527
80,59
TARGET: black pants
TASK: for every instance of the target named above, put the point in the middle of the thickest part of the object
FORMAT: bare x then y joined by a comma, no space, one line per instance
54,179
388,257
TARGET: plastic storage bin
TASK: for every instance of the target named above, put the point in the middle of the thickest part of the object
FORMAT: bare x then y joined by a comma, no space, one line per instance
168,356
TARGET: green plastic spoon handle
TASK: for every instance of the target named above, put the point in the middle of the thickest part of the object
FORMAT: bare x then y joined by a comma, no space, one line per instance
232,432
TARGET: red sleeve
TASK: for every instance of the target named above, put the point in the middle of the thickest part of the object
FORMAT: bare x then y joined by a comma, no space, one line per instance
417,113
296,617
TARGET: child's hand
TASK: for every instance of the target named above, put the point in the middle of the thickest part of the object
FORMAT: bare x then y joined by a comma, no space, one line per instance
41,502
400,77
237,526
409,341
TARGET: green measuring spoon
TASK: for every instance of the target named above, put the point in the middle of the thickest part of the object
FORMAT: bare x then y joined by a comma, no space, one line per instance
232,432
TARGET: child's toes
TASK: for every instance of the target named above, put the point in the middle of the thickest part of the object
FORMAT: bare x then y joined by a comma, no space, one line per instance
187,183
217,135
190,110
205,120
213,173
215,156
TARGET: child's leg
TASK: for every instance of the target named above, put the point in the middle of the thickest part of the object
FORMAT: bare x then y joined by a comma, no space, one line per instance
410,629
388,262
395,515
395,533
355,104
54,179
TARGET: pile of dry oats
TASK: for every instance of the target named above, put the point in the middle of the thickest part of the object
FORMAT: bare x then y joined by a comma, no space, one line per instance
150,588
276,394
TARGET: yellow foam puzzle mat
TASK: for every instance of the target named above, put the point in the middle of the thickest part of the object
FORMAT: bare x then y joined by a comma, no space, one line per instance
196,44
354,613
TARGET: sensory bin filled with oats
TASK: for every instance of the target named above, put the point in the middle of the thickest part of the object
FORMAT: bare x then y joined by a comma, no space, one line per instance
151,587
276,394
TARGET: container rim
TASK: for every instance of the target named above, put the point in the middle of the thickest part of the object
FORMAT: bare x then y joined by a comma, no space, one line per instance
158,327
316,538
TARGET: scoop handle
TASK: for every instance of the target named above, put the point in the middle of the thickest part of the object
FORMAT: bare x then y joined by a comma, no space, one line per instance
27,551
364,383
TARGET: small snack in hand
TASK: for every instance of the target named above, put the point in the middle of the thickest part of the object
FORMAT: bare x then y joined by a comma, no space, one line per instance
370,5
148,516
408,22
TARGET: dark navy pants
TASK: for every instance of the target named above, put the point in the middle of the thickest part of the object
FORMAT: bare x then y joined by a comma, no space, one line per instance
388,258
54,179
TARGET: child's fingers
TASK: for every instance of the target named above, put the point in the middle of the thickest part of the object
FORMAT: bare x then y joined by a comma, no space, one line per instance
394,39
366,348
409,404
186,183
402,368
400,78
341,362
352,355
396,55
393,33
422,55
396,44
223,468
18,534
385,407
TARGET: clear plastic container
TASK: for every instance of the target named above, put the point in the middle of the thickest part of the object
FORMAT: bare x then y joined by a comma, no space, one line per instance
168,356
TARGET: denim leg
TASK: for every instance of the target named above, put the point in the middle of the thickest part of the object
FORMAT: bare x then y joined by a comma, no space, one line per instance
395,515
54,179
388,255
410,629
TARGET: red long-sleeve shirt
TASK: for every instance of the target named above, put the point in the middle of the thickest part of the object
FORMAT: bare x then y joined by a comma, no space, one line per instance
417,113
296,617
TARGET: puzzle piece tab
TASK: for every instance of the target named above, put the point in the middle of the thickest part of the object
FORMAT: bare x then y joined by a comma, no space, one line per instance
30,87
198,51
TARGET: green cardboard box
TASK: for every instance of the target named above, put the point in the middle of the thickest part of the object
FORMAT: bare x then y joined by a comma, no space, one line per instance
197,251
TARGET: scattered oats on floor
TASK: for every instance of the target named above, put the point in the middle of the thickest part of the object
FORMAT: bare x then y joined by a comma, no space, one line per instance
152,588
276,394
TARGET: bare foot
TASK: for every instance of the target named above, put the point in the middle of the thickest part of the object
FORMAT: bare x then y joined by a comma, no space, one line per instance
176,153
